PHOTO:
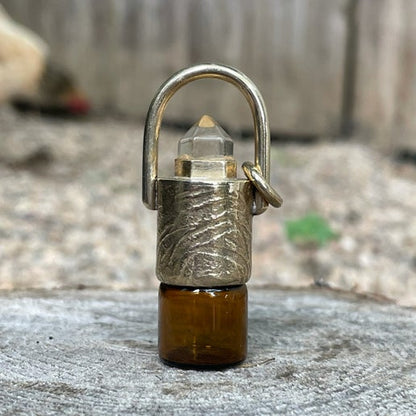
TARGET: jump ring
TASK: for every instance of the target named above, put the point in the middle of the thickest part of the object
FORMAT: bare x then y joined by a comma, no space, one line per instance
255,176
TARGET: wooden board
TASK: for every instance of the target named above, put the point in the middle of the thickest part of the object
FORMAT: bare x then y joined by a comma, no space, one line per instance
310,353
122,50
385,105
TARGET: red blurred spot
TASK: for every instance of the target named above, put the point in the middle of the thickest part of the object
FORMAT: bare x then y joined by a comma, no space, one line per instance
78,105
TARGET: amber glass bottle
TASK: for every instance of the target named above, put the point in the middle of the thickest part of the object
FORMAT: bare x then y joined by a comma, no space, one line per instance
202,327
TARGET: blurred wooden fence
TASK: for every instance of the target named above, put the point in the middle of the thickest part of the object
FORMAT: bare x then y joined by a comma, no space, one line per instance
325,67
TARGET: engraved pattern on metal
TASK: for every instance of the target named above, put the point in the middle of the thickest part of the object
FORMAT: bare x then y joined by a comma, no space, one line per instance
204,232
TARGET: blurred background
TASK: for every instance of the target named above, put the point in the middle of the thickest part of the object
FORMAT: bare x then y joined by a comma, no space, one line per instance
339,81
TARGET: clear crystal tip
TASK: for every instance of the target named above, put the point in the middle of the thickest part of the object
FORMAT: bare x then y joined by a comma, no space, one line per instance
205,139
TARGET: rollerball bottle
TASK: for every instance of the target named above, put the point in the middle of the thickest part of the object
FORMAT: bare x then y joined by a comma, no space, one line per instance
204,228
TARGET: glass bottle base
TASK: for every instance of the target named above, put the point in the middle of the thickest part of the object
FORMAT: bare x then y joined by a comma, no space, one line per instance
203,328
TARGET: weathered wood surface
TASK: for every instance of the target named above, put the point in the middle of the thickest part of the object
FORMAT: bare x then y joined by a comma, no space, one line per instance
325,67
310,353
122,50
386,71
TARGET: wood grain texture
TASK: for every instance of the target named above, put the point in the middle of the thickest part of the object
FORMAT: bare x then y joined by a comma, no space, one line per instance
122,50
294,50
386,90
310,353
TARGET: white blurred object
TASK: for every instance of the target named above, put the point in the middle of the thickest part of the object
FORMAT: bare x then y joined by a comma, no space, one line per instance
23,56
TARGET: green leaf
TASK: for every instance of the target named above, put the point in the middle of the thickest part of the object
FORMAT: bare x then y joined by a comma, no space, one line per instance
311,229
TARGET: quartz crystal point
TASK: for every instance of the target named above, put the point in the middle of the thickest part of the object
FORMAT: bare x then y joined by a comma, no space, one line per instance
205,139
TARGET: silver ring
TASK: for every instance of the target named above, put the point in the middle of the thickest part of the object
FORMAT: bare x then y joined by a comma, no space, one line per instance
154,122
255,176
